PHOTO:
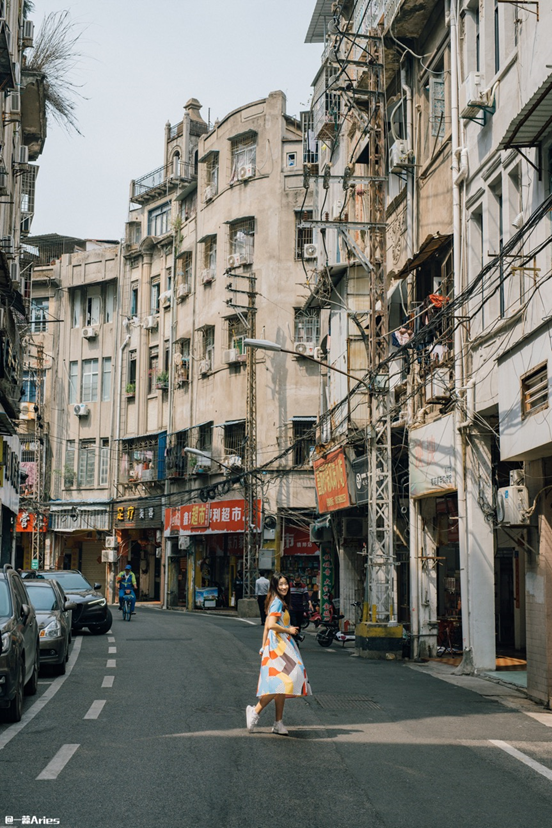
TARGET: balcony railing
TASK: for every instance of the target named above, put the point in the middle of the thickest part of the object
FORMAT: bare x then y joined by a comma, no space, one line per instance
156,183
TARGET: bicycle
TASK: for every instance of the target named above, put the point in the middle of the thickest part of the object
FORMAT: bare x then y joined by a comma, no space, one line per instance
127,607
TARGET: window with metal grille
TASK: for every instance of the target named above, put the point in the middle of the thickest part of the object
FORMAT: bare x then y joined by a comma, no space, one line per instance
153,369
304,439
89,381
303,235
176,459
437,105
234,438
28,388
87,463
205,436
307,326
209,343
104,461
184,270
244,154
210,254
237,331
534,390
139,460
39,314
242,238
310,144
182,362
212,172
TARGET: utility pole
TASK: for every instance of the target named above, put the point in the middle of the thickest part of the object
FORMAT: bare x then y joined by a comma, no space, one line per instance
251,489
37,561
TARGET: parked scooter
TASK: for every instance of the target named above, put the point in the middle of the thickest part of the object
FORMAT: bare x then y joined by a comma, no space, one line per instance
329,630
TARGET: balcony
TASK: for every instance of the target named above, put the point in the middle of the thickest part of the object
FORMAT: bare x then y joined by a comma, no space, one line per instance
161,182
408,17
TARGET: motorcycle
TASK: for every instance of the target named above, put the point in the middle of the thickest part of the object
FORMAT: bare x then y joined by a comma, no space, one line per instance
313,616
329,630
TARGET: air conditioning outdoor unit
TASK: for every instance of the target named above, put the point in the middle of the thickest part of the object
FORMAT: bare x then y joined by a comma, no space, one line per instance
207,275
109,556
7,245
230,356
111,542
438,387
182,292
310,251
320,534
150,323
13,103
399,157
355,528
513,506
204,366
473,96
304,348
15,275
27,34
23,156
210,192
89,333
237,259
81,410
245,172
234,461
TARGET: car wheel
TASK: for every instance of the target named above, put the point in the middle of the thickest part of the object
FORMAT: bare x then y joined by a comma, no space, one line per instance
104,627
32,685
14,712
61,668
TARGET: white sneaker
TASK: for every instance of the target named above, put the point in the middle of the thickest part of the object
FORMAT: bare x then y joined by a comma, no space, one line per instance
280,729
251,717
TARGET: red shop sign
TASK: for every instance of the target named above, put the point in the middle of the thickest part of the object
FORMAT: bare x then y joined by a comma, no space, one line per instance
296,541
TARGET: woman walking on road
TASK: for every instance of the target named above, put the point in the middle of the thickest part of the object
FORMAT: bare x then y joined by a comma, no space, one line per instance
283,675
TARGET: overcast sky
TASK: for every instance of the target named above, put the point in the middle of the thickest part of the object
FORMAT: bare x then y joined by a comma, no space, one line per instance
142,61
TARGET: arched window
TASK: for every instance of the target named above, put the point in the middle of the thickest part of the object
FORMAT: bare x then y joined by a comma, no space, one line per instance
176,164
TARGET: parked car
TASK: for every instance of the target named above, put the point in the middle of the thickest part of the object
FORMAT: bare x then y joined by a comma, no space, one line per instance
90,609
19,647
53,614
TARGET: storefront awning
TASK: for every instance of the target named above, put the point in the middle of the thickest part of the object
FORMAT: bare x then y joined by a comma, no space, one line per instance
430,246
529,126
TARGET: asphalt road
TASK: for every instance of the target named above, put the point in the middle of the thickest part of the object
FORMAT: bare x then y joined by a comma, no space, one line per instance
148,728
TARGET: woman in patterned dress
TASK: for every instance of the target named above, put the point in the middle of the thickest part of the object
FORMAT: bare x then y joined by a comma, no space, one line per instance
283,675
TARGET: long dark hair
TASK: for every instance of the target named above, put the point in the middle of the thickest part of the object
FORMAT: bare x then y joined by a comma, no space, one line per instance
273,592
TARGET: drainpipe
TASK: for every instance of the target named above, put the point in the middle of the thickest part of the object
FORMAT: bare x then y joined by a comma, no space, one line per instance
457,178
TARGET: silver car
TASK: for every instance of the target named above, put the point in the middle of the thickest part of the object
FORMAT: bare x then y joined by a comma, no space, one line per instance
53,614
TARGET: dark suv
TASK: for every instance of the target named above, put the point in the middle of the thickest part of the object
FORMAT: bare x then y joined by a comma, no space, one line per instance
90,609
19,645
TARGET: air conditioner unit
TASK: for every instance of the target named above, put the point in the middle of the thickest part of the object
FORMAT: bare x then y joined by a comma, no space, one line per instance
15,275
513,506
207,275
109,556
177,358
310,251
304,348
204,366
7,245
150,323
438,387
355,528
23,156
13,103
320,534
26,411
89,333
399,157
27,34
203,465
182,291
473,96
245,172
210,192
81,410
237,259
111,542
230,356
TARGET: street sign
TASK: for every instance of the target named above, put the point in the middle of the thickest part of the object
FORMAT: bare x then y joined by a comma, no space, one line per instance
34,564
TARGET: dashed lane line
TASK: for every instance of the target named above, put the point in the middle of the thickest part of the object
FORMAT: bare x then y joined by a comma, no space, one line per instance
110,639
95,709
522,757
108,681
54,768
111,662
40,703
112,649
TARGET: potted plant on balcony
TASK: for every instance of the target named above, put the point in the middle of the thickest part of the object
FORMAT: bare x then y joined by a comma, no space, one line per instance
131,389
162,381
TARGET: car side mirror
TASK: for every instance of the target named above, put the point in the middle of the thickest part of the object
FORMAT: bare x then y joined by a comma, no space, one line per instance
97,586
70,605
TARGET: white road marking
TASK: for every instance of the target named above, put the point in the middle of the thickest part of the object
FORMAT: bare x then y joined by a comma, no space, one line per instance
95,709
111,662
112,649
48,694
110,639
543,718
54,768
108,681
522,757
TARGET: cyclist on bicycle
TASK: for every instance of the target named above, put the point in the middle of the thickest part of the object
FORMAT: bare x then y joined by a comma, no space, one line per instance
126,581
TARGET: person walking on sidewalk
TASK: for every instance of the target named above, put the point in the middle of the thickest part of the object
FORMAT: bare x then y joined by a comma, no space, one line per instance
283,675
261,591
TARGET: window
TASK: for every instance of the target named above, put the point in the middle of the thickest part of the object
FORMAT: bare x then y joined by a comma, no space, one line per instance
534,390
69,470
498,215
39,314
106,379
131,379
310,144
104,461
154,295
237,332
209,344
73,381
89,381
134,300
158,220
153,369
93,310
87,463
212,172
496,37
182,366
307,326
77,309
210,254
244,154
303,235
205,437
28,387
189,207
176,164
242,239
437,105
185,270
110,301
234,438
176,463
304,439
169,278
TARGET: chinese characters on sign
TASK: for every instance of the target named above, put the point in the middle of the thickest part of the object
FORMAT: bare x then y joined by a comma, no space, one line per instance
26,520
207,518
330,477
296,541
326,582
145,515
